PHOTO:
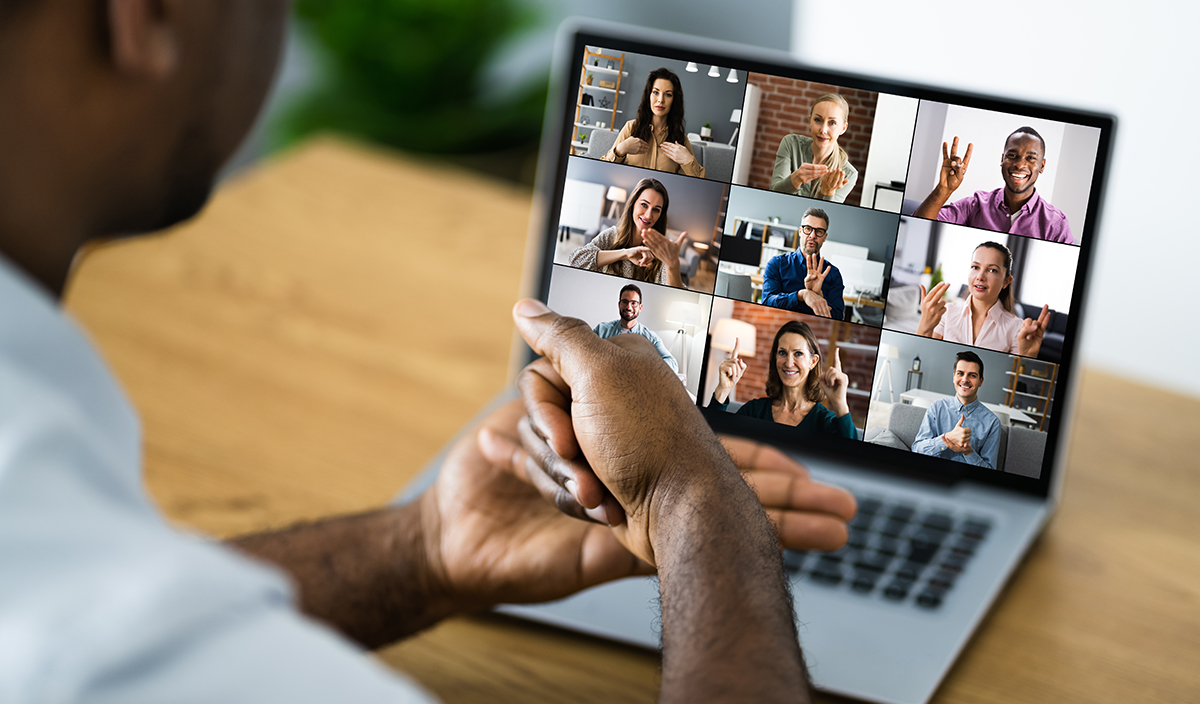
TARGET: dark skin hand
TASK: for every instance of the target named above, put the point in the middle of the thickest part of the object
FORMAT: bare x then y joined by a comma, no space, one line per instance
728,632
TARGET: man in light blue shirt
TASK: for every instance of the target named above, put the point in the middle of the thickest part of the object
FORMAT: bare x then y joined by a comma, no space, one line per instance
630,307
961,429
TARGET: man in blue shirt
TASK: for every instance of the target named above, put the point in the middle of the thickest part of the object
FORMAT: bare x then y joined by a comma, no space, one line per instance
961,429
630,307
802,280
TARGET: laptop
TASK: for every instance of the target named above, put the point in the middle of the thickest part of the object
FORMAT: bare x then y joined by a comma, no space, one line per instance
776,161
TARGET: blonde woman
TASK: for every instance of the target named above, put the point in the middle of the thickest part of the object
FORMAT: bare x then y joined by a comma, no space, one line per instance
813,165
638,246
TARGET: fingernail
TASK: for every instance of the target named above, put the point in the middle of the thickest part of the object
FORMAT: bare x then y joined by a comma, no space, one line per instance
530,308
573,487
598,515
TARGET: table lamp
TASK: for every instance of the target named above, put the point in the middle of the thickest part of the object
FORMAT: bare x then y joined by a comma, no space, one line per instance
617,196
683,314
888,352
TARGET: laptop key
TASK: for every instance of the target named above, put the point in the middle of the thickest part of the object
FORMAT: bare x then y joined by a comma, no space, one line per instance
922,548
893,528
864,582
909,571
965,546
902,512
858,539
976,528
898,589
869,506
931,598
873,562
938,521
943,579
887,546
826,575
955,561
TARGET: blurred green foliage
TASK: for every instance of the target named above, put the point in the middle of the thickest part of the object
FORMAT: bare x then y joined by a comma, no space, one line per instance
407,74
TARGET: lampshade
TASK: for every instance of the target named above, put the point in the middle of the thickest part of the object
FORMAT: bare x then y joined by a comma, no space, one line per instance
736,116
888,351
714,72
617,194
683,313
732,77
692,67
728,330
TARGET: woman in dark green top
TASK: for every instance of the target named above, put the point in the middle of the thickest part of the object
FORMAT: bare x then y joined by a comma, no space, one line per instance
795,387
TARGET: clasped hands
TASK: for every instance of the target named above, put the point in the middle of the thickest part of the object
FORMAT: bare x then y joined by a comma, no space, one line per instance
611,437
831,180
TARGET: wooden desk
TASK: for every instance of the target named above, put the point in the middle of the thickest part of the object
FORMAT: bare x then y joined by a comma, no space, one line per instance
334,317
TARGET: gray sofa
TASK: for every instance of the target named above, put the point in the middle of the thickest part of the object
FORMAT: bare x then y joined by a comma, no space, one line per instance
1021,449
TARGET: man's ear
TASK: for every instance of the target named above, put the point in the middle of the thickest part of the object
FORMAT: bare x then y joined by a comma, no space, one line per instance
143,40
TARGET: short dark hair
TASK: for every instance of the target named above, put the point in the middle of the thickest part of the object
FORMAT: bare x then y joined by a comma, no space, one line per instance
969,357
1032,133
631,287
816,213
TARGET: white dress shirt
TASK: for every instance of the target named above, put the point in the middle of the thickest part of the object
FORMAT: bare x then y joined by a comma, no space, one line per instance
100,600
1001,330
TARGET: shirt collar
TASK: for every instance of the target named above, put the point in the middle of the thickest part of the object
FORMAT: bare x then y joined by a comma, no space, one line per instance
41,344
999,204
970,406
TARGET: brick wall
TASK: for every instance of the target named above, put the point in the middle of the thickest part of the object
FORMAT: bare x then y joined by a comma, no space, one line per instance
859,365
784,110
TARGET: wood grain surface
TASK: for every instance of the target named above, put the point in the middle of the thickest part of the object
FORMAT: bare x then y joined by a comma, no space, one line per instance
337,314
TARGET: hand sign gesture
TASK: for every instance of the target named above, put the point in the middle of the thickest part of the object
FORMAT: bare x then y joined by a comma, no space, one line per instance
834,383
677,153
729,373
633,145
1029,338
832,181
664,249
808,172
639,256
953,167
933,307
817,271
959,439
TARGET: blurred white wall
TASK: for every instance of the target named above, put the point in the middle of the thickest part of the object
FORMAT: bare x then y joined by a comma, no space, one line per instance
1137,62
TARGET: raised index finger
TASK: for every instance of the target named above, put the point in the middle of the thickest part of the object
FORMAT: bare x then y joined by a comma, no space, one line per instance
837,359
1045,316
733,354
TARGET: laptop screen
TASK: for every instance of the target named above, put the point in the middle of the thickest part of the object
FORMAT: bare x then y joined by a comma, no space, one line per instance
882,271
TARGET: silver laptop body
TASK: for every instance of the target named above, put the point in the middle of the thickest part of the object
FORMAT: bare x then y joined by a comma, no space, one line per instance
859,643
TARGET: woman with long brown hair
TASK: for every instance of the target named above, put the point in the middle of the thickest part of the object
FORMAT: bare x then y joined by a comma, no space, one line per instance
987,317
814,165
657,138
638,246
796,387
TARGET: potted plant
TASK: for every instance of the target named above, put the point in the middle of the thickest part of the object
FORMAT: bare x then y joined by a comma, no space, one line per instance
589,79
706,131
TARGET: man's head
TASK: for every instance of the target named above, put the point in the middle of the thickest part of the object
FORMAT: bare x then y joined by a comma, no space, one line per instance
968,376
630,303
119,114
814,228
1023,160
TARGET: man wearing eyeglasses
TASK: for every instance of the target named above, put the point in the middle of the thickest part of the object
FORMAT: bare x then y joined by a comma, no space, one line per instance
630,307
802,280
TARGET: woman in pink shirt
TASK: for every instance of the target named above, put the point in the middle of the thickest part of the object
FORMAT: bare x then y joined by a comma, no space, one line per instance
986,317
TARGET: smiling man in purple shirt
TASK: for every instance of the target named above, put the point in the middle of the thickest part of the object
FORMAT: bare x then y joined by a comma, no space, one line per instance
1016,208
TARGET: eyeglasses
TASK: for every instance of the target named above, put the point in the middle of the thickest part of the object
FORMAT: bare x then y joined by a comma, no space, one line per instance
629,303
821,232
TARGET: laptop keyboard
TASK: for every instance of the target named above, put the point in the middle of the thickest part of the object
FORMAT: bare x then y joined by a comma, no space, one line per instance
898,552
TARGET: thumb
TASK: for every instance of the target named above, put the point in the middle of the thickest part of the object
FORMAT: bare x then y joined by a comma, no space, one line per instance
960,420
568,343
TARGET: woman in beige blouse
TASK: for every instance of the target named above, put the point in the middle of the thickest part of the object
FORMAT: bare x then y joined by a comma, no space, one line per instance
656,138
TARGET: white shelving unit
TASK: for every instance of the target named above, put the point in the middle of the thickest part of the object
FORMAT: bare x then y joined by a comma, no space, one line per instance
587,116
